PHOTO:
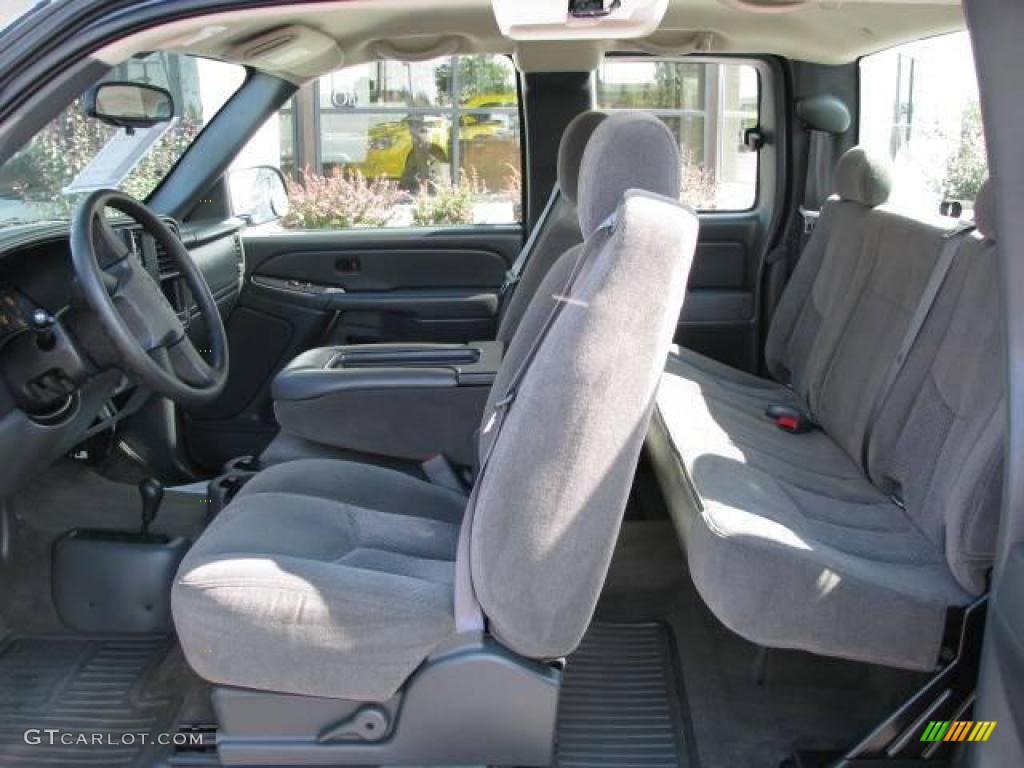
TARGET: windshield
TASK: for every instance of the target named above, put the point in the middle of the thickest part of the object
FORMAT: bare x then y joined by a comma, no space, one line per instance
75,154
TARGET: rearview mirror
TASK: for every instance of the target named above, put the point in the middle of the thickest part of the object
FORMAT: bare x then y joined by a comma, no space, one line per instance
258,194
129,105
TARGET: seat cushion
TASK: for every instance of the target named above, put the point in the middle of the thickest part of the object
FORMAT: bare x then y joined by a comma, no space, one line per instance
340,596
743,390
362,485
801,552
711,417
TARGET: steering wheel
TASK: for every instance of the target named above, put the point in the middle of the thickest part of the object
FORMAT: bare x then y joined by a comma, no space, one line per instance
148,338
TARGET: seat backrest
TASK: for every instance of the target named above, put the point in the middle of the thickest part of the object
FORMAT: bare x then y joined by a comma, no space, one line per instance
938,441
817,298
559,230
899,255
935,443
551,497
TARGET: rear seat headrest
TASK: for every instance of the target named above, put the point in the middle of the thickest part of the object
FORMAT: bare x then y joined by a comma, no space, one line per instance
863,178
570,151
985,211
629,150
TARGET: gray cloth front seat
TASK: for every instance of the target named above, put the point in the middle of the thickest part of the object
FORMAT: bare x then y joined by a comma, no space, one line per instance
335,580
558,230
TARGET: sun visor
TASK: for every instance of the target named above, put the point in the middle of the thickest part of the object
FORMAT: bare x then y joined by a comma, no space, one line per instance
578,19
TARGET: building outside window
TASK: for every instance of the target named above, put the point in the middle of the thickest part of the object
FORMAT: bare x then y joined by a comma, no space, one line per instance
919,106
392,143
397,144
708,106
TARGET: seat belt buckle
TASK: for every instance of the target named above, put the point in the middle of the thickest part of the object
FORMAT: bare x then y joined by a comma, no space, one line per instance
441,472
510,282
790,419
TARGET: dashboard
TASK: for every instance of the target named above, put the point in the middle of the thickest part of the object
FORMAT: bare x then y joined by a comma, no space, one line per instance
44,415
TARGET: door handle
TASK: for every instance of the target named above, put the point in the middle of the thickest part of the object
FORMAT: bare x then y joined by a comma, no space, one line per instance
348,265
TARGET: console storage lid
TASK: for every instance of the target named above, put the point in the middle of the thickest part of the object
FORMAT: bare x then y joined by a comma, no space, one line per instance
407,401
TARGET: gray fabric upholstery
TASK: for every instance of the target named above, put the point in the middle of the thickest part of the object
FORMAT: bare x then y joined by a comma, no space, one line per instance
628,150
314,595
550,502
361,485
789,540
862,177
570,151
791,568
330,579
898,258
817,294
552,499
561,230
938,441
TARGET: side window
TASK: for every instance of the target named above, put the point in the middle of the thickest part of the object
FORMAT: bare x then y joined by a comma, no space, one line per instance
708,106
400,144
919,105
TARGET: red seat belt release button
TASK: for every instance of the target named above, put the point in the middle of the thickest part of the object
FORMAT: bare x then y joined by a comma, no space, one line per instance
790,419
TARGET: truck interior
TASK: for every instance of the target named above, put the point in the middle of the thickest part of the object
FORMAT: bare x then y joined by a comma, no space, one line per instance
493,383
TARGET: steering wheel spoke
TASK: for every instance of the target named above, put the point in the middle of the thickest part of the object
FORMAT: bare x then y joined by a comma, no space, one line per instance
108,246
146,334
183,360
143,306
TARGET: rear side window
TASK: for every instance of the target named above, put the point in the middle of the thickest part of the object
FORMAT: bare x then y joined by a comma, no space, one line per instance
707,106
401,144
919,106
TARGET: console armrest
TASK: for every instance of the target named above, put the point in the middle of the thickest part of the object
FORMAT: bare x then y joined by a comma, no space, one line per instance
407,401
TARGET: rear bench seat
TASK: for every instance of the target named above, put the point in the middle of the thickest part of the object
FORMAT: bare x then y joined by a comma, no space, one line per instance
855,539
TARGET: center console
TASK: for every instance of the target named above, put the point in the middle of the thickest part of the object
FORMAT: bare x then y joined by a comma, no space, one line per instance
406,401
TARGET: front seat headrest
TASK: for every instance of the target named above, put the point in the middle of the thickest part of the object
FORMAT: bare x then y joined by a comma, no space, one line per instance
570,151
628,150
863,177
985,211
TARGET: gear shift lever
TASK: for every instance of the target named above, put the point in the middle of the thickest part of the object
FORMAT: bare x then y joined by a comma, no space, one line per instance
152,492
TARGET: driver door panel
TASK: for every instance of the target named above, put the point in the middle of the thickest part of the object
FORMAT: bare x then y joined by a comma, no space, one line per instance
307,289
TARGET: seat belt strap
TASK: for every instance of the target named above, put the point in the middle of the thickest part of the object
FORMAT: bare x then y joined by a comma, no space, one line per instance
469,616
515,272
817,182
947,257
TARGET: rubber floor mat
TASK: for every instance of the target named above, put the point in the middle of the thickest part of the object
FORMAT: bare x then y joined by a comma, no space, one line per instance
622,701
83,686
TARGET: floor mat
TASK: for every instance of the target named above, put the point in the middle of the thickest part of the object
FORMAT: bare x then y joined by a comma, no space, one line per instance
622,701
83,686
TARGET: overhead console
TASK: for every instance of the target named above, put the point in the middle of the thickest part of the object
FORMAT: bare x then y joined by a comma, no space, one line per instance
578,19
407,401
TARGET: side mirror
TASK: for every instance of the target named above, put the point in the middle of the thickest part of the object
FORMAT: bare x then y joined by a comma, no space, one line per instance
258,194
129,105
